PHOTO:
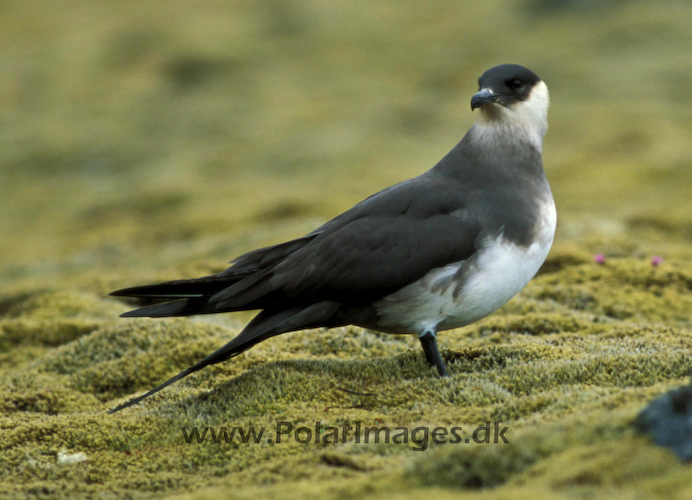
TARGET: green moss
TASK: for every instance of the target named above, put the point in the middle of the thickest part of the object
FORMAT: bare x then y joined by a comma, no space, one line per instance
59,304
46,332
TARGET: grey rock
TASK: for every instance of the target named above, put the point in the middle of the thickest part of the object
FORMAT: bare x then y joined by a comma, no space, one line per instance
668,420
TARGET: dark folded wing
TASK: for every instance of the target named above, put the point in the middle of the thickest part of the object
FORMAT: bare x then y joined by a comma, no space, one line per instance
381,245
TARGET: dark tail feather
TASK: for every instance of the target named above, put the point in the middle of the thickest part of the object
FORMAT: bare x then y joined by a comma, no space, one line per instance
186,307
198,287
265,325
183,307
240,295
168,382
243,267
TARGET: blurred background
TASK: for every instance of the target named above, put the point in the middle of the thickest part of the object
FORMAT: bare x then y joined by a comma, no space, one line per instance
153,139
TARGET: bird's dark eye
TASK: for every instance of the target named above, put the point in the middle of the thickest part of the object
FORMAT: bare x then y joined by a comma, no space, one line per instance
516,83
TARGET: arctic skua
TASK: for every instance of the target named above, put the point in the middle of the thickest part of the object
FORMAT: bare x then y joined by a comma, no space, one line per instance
436,252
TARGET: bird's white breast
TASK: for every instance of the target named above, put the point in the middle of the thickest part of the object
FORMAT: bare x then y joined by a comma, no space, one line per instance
498,272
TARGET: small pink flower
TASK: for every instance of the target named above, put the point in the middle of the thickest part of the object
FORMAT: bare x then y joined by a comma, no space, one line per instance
599,259
656,260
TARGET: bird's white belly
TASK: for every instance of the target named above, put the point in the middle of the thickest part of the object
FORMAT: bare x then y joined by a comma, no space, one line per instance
464,292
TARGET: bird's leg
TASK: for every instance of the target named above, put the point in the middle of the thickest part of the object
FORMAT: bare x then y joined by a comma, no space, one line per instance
428,340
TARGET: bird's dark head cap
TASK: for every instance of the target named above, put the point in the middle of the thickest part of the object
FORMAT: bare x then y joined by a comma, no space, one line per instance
505,84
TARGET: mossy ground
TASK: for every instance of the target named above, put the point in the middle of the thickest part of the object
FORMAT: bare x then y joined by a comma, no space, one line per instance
151,141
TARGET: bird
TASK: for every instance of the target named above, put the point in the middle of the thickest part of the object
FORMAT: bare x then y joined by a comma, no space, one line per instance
432,253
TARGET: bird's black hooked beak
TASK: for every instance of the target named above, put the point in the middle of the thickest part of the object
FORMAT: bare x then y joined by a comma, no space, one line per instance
483,97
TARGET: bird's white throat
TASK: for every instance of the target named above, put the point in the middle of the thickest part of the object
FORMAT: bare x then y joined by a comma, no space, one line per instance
524,120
